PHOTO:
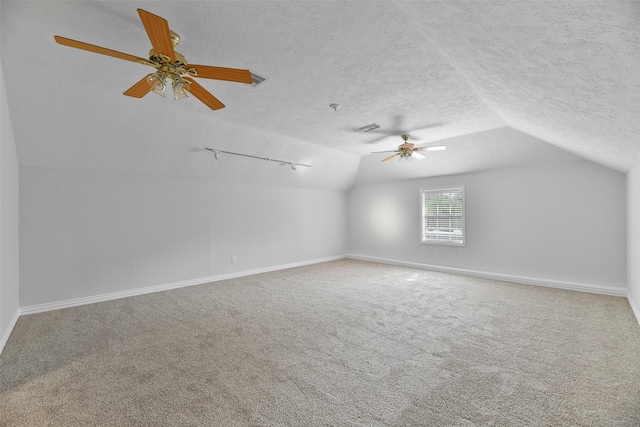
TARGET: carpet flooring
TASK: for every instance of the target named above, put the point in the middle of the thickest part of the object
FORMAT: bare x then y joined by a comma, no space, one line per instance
343,343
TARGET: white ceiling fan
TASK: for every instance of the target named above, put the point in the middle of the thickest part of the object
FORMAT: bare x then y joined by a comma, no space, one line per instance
398,127
408,150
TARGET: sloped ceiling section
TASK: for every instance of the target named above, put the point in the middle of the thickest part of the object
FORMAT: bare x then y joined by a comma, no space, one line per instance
69,111
501,148
565,72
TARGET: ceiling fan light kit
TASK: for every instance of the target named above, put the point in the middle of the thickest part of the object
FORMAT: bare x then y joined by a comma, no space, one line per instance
408,151
169,64
157,82
180,88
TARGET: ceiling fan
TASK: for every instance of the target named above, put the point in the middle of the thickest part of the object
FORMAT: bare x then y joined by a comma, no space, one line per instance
408,150
397,127
168,63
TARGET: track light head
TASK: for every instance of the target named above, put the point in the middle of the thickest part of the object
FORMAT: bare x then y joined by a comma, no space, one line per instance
216,153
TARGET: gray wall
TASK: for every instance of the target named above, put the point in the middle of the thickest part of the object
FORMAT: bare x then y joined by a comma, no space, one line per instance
633,226
9,261
87,233
558,222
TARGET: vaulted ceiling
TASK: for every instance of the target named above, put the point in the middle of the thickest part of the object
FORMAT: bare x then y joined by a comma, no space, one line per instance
498,81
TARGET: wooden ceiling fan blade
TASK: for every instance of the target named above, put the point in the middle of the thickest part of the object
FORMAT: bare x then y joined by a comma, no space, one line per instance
389,158
203,95
101,50
220,73
388,151
157,29
139,89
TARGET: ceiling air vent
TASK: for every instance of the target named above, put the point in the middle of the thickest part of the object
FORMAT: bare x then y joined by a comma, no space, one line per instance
256,79
370,127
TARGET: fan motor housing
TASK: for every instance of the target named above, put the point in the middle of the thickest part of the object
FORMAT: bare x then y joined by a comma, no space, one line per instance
161,59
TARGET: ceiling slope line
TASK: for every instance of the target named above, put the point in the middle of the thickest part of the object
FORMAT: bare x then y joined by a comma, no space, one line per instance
419,28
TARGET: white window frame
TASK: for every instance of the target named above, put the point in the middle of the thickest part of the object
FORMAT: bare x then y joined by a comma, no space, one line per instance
423,216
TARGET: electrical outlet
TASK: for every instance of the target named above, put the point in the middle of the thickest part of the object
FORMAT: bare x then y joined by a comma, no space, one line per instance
234,260
435,254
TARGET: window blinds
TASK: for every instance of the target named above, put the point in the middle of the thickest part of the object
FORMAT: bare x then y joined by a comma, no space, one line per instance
443,216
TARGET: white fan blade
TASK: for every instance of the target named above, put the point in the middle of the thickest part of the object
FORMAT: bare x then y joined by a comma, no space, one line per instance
417,156
433,148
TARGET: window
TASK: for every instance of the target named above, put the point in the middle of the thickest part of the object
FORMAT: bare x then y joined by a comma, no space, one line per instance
443,216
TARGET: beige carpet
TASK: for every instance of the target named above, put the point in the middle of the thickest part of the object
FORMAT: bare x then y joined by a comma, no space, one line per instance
344,343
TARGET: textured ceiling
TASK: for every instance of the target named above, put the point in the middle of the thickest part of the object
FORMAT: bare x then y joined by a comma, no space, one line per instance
565,72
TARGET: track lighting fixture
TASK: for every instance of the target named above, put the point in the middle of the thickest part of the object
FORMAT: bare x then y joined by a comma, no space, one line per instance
294,165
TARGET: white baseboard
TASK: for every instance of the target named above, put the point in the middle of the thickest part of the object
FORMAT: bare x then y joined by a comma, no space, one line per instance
7,332
634,307
39,308
583,287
